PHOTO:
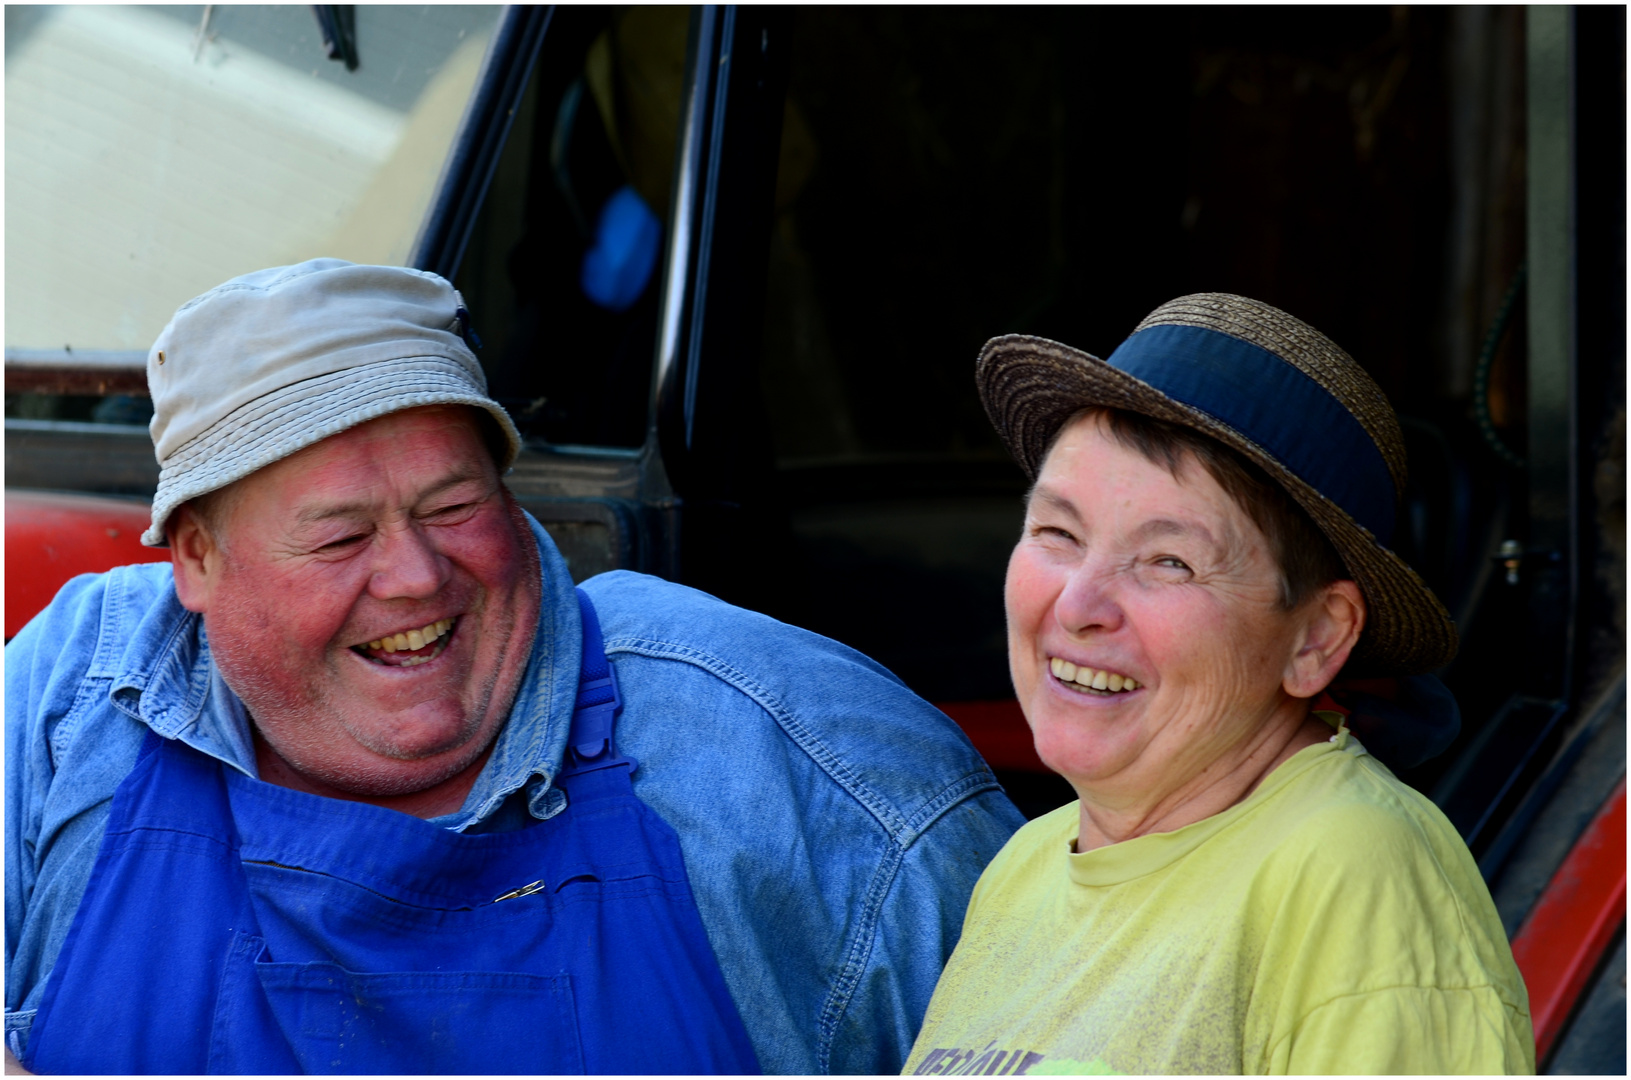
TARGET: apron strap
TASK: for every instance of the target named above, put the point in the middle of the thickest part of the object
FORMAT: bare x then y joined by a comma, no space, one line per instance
589,745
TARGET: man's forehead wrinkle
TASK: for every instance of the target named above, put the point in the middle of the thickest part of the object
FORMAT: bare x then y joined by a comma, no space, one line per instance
312,514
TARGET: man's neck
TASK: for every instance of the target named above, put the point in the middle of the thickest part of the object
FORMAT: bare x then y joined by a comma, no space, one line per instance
434,801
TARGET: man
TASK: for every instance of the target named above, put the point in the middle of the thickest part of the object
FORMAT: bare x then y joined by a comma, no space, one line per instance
347,787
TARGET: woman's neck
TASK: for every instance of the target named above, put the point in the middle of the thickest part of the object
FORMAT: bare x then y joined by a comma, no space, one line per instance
1109,816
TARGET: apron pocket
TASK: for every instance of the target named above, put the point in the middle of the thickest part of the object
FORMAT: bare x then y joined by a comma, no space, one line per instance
340,1021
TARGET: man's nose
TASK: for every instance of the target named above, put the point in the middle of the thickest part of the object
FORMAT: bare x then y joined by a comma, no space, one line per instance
406,564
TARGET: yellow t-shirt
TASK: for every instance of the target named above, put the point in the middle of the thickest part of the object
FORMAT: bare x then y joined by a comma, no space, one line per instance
1332,922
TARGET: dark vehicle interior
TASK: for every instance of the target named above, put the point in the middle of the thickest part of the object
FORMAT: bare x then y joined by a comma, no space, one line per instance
732,266
941,176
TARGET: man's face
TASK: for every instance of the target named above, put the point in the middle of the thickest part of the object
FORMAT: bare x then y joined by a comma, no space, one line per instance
1127,571
372,599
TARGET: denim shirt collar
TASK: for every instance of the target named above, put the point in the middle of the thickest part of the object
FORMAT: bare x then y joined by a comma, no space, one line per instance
530,749
166,679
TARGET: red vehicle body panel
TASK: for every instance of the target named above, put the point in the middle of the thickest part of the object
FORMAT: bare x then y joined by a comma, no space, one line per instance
1576,918
51,537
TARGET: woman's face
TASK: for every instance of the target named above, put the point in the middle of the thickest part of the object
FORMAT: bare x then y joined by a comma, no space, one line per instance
1159,591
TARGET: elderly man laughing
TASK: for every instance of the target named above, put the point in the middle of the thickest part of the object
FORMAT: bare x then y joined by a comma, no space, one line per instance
360,783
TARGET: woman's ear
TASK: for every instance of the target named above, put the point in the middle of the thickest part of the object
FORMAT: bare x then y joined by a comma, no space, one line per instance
1332,621
195,557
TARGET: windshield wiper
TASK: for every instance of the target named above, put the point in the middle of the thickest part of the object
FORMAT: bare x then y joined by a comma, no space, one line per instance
339,25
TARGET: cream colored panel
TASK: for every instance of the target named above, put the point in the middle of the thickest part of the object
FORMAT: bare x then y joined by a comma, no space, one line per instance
138,176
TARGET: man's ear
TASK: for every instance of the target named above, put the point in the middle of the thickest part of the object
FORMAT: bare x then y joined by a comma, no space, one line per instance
1332,622
194,556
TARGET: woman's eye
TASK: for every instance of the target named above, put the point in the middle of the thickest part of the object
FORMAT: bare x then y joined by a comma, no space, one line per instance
343,543
1172,561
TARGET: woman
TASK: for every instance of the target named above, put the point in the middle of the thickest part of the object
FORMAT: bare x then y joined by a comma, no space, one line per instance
1238,889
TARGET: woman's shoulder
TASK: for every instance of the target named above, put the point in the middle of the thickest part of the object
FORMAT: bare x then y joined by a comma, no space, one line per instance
1351,844
1032,856
1330,792
1046,834
1371,872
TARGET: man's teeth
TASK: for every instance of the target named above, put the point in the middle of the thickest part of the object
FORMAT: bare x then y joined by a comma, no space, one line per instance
1066,671
413,639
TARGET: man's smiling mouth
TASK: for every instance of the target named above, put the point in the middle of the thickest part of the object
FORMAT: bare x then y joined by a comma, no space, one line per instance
1090,679
409,647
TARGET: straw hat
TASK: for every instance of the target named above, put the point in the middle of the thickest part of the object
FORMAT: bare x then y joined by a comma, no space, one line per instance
1278,391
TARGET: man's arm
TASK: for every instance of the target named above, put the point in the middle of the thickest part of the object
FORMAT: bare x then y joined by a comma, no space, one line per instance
29,671
833,823
66,750
917,929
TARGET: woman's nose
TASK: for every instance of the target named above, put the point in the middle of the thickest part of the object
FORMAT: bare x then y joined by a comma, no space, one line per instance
407,565
1089,601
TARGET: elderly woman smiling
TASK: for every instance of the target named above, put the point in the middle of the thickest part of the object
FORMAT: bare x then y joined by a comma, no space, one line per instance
1239,889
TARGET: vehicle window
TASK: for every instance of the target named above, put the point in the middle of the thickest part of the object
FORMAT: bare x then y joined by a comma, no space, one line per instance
563,269
153,152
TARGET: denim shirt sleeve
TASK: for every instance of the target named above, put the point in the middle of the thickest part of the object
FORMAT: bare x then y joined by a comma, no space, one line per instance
67,749
918,925
833,823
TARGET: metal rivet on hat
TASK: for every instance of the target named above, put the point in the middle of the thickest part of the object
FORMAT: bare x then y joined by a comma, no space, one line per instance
161,356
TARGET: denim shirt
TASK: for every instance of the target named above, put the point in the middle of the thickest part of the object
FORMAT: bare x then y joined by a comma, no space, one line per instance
833,823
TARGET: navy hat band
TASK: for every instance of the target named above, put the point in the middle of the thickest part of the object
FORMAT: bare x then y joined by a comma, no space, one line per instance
1273,404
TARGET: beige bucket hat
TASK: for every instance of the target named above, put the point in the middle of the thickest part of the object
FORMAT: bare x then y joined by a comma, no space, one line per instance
274,361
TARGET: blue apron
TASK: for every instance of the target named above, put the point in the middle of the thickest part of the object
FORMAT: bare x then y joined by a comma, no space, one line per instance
231,926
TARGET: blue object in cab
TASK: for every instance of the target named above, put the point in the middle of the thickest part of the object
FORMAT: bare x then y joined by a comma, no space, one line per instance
619,264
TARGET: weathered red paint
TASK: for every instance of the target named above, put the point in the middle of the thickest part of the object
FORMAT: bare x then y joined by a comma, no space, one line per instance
51,537
1577,916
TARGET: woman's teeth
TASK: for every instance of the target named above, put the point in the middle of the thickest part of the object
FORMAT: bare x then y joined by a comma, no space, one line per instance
1094,679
